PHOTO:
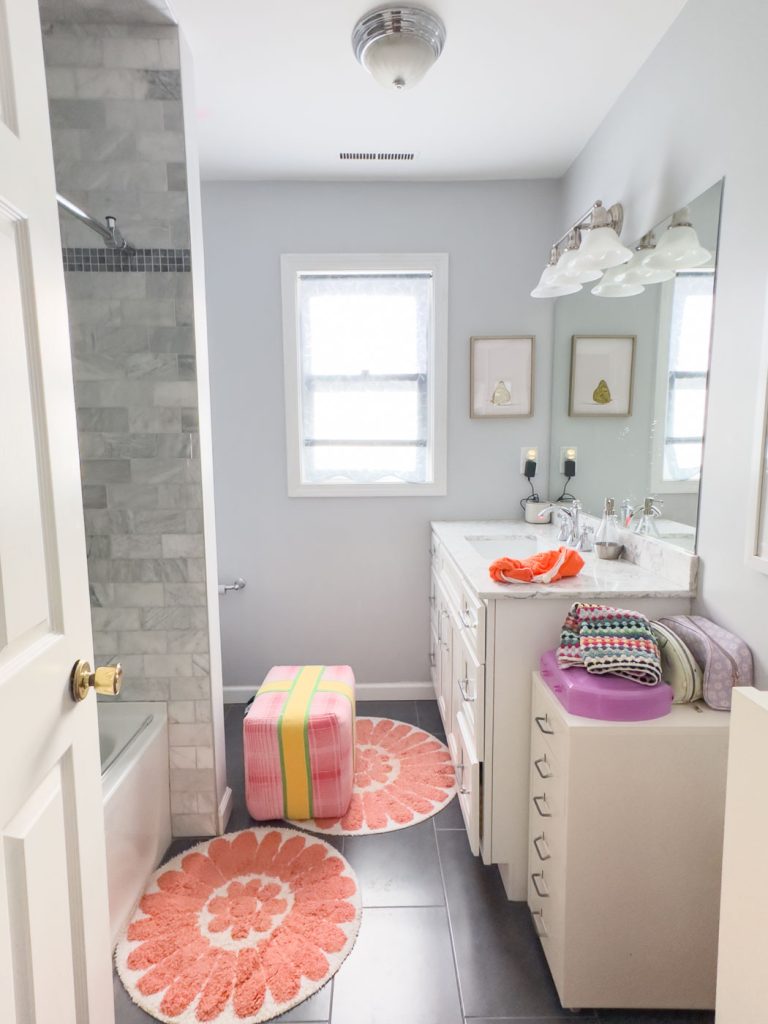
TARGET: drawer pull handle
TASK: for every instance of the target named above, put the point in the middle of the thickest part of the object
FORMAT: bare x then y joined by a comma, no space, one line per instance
546,855
541,721
538,923
460,780
431,659
432,600
464,687
538,766
466,622
538,802
544,893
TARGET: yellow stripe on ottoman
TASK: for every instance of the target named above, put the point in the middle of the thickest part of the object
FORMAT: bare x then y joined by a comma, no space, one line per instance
294,744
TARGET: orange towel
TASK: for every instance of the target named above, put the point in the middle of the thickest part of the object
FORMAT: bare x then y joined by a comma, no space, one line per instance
544,567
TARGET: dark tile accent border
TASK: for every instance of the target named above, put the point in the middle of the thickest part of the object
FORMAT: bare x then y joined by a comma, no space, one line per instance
111,261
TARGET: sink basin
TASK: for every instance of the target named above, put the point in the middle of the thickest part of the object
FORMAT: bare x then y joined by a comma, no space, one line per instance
514,546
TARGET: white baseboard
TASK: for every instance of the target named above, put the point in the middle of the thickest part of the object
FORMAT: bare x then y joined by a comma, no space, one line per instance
363,691
225,810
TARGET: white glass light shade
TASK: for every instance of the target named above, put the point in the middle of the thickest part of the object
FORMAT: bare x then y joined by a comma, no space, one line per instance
638,271
566,267
552,284
678,249
600,249
398,61
613,286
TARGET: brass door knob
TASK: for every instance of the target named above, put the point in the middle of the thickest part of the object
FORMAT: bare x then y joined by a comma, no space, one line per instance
106,680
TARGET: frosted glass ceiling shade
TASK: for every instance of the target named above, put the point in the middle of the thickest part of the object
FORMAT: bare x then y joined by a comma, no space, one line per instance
637,271
553,283
679,247
398,45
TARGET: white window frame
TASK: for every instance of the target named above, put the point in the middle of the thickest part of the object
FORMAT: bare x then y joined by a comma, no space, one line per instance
294,264
661,398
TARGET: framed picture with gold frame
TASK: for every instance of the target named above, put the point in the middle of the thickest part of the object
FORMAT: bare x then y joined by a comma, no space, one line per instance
501,371
602,372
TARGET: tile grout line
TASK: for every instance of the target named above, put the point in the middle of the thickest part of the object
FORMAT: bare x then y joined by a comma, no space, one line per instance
450,924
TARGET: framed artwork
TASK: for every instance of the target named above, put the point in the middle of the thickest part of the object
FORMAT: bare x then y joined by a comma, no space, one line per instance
501,376
602,368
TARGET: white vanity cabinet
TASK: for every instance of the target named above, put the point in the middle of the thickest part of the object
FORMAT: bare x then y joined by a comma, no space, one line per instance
485,641
625,839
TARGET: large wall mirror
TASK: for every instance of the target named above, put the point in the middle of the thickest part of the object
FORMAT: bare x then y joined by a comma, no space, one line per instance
629,381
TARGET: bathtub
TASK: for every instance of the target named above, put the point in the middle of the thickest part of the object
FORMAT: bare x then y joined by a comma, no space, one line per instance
137,816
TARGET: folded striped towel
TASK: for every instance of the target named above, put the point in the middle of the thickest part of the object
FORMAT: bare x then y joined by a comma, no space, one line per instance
610,641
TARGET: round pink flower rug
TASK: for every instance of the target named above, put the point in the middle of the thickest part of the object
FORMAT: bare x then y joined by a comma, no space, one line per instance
240,928
403,775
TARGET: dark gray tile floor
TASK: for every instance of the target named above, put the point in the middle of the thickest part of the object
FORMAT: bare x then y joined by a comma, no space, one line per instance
439,942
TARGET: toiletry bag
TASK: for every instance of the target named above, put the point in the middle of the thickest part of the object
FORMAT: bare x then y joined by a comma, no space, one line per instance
725,659
679,668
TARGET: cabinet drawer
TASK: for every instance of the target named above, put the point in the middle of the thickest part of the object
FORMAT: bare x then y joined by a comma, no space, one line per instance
547,781
547,721
467,780
467,607
469,691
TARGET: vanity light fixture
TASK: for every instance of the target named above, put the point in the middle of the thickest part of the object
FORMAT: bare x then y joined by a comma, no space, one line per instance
638,270
587,248
601,247
614,285
552,283
679,247
398,45
565,264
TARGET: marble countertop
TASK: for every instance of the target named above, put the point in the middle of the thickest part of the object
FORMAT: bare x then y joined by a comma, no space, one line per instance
473,545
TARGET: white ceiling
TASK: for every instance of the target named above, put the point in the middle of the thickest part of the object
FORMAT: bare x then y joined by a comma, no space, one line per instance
518,90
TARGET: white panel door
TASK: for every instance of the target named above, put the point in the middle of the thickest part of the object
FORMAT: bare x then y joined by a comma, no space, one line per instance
54,934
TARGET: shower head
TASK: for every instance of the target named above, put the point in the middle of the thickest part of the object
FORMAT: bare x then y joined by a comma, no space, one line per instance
116,240
111,234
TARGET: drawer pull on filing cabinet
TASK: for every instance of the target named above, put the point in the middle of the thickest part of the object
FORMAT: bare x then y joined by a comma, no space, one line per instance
543,892
540,764
540,842
540,803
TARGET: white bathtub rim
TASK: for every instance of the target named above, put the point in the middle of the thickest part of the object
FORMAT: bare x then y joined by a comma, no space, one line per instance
126,759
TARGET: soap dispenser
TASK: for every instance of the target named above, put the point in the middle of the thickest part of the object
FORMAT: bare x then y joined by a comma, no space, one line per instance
608,530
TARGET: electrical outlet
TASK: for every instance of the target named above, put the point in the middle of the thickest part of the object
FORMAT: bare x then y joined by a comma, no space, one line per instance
526,454
569,453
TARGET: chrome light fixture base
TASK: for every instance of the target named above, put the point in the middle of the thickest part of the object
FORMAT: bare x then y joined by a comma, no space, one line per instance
387,22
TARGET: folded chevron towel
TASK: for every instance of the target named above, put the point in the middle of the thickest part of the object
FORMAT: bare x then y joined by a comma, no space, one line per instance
610,641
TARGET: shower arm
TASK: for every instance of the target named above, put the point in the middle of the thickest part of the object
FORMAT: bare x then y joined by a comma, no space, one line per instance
109,231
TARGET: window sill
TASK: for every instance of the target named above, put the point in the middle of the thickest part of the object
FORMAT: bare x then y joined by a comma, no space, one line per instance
432,490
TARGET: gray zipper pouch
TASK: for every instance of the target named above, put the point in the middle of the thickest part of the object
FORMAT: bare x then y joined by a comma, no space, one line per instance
724,658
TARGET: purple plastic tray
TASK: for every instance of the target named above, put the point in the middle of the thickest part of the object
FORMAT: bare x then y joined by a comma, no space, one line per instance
608,698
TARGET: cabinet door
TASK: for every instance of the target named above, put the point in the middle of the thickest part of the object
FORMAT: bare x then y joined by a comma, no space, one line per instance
444,666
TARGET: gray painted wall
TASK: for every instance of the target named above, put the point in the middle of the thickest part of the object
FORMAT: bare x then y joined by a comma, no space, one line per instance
677,128
346,580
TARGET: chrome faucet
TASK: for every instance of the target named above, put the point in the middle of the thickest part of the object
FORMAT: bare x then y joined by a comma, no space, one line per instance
647,512
570,523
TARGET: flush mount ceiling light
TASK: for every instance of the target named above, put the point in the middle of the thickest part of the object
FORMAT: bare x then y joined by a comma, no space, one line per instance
398,45
679,247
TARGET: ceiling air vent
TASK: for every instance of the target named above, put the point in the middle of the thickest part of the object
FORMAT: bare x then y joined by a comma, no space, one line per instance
377,156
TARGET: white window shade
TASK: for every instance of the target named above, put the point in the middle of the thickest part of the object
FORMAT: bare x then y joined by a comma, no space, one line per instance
365,374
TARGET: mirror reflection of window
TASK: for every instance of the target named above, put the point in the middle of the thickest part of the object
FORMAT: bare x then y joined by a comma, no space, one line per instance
684,408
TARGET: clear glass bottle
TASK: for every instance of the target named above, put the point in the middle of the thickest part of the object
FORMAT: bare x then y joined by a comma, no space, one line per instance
608,530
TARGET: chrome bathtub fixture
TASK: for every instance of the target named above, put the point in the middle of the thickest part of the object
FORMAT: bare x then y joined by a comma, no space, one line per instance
589,246
398,45
235,585
110,232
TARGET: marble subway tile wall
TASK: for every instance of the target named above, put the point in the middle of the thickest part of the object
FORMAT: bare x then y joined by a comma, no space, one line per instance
115,102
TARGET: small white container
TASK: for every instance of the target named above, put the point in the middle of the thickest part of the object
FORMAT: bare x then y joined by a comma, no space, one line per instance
532,510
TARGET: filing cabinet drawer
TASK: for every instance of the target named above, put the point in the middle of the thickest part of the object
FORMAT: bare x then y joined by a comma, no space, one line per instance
547,722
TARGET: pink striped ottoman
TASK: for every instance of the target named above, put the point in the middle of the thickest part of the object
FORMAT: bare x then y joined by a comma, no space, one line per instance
299,744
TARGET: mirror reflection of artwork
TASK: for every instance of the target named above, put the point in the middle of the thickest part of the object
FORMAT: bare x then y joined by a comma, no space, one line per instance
501,376
601,375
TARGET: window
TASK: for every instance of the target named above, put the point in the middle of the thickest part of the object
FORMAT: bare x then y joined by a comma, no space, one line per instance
685,329
365,377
